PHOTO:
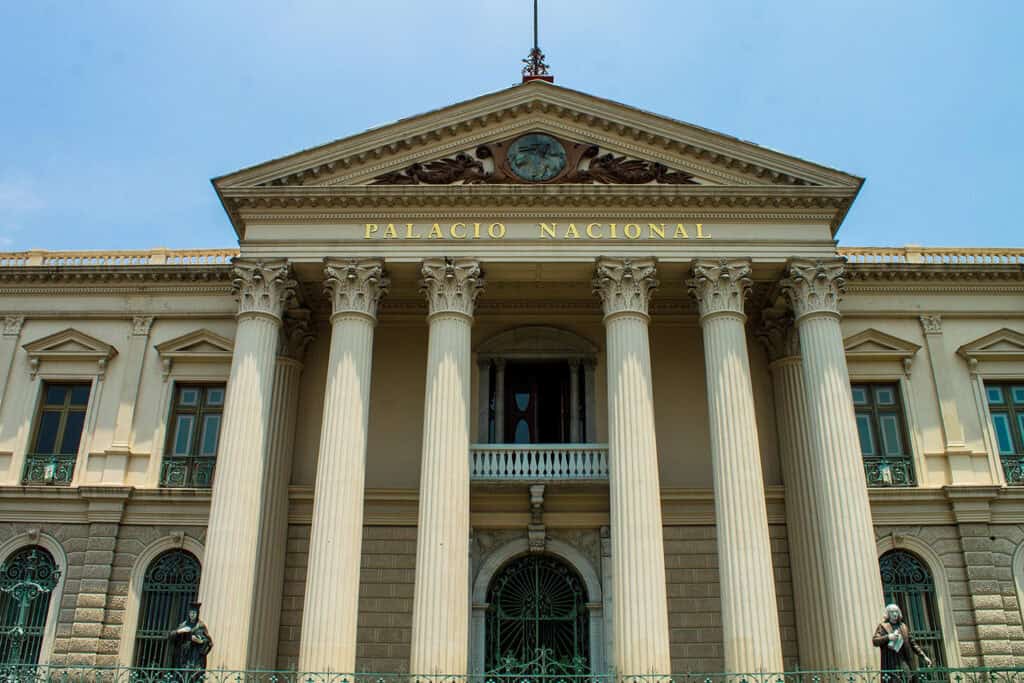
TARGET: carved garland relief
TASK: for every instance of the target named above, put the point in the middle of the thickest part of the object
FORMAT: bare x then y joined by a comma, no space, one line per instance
536,158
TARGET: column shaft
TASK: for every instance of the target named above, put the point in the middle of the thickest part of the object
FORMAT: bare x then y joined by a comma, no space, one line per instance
574,400
750,617
440,616
845,545
228,585
331,607
639,602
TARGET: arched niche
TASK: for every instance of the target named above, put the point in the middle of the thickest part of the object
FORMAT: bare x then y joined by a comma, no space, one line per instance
502,357
60,558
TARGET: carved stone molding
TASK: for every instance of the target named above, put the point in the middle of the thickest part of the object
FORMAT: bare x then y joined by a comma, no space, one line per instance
778,334
13,324
720,286
451,285
141,324
263,287
296,334
814,286
355,285
931,323
625,285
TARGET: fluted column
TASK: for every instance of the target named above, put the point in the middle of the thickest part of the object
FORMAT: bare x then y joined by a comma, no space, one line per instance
750,616
440,613
639,602
331,606
845,545
779,336
230,561
296,335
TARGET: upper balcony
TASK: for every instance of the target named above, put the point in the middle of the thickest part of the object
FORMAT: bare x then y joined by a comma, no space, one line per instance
538,462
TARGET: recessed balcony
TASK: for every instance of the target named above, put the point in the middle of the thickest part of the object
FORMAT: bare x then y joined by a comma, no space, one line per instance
538,462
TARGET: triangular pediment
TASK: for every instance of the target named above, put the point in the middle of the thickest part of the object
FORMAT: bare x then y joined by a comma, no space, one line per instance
1004,344
604,142
872,344
199,346
68,346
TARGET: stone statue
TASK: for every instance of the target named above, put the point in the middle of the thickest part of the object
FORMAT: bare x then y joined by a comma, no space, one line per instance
190,642
893,639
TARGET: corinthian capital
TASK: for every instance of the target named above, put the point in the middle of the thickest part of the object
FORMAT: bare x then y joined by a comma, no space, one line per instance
720,286
263,287
451,285
625,285
297,333
355,285
778,334
814,286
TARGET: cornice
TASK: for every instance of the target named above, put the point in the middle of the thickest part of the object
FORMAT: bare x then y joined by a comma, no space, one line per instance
170,279
935,279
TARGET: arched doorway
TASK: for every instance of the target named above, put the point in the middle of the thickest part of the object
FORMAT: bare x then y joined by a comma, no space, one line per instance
907,581
27,581
537,619
171,583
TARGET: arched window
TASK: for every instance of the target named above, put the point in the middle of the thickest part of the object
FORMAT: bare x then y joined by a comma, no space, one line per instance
908,582
537,620
170,584
27,580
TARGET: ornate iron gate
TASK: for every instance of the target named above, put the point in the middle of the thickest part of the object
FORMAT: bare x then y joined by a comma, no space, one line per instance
171,583
27,580
537,622
907,582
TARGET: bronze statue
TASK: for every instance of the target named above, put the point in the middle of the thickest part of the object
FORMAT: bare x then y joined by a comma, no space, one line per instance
897,645
190,642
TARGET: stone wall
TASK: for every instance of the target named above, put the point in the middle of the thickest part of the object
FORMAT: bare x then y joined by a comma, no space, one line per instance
694,600
385,598
975,584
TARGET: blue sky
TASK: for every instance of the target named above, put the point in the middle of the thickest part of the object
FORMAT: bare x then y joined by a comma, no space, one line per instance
115,115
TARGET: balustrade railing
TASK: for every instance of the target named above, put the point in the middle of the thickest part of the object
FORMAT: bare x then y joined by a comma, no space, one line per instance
53,673
148,257
933,255
538,462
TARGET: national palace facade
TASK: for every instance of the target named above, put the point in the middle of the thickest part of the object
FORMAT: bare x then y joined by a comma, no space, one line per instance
536,376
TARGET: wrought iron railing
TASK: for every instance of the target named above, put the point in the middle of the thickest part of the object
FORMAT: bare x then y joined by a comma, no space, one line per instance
886,471
1013,470
52,469
82,674
538,462
187,471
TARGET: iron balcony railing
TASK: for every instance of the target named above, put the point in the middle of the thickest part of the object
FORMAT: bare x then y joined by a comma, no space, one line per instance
51,469
539,462
889,471
1013,469
83,674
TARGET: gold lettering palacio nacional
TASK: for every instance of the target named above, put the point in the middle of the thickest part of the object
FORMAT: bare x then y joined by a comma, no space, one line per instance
537,375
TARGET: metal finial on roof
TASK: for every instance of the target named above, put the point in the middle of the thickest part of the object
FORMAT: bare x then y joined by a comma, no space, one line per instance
535,68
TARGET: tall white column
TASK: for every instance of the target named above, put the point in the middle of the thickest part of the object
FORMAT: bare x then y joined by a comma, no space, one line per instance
331,605
440,613
639,602
779,336
750,616
230,562
845,545
296,335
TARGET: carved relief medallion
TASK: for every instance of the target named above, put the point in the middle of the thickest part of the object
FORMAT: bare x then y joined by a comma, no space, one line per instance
536,157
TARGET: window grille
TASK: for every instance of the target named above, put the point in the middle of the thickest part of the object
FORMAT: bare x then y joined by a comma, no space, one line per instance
1006,406
881,428
907,582
170,584
27,580
193,433
60,420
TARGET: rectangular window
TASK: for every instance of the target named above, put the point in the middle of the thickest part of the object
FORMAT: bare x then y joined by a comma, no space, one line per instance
882,430
1006,405
193,432
60,420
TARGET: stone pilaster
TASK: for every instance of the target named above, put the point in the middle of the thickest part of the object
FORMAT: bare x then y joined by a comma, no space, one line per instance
117,456
750,616
793,421
8,348
440,615
230,564
331,606
959,455
639,603
296,334
845,544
